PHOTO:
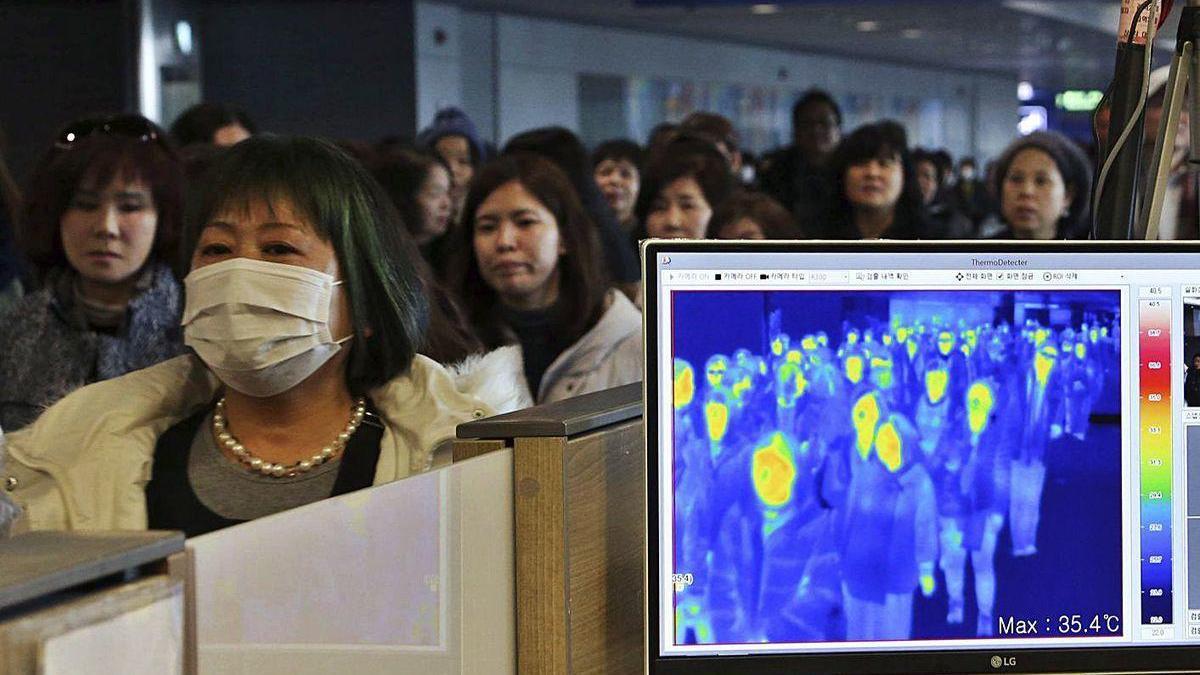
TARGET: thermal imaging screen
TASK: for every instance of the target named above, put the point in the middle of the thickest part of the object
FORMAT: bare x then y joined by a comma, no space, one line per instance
907,451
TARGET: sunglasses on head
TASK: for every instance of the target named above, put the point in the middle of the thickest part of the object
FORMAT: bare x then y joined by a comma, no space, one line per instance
125,126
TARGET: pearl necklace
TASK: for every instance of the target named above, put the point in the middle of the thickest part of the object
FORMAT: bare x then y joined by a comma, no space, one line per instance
266,468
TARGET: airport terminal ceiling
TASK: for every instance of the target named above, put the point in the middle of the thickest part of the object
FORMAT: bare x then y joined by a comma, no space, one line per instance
1058,44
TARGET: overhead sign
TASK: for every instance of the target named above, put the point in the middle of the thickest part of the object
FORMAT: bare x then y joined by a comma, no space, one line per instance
1078,100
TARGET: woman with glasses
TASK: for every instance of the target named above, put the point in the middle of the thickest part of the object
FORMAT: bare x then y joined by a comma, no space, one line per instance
99,228
795,175
305,308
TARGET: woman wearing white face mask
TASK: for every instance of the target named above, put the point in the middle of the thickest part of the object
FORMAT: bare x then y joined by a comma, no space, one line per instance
304,308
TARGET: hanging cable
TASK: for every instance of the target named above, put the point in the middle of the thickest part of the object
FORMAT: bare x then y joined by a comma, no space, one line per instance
1110,158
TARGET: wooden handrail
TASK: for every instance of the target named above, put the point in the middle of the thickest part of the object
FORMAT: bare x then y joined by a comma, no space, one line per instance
567,418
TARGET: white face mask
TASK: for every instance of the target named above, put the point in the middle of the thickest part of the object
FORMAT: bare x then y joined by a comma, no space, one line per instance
261,327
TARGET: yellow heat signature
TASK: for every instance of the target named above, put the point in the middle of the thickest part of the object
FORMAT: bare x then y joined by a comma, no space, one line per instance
741,386
865,416
790,384
1043,363
685,384
779,345
853,367
945,342
882,370
889,447
935,384
980,402
774,471
716,414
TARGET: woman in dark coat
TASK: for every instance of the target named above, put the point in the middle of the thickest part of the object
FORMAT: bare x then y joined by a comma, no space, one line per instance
100,229
876,195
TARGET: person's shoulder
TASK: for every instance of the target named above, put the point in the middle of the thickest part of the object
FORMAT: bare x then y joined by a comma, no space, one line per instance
31,304
422,408
118,406
158,384
623,309
620,342
161,282
620,322
992,227
776,168
25,322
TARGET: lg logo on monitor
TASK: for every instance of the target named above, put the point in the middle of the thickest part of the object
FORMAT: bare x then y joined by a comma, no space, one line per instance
1004,661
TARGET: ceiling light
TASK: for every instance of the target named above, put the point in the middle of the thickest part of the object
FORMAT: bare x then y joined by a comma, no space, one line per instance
764,9
912,33
1033,118
183,37
867,26
1024,91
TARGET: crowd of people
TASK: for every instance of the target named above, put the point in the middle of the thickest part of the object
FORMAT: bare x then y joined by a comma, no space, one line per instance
269,320
820,485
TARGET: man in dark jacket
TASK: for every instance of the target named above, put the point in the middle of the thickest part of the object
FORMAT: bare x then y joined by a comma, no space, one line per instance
795,175
1191,386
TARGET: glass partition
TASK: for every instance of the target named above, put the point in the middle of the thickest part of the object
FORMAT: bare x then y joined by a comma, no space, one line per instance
413,576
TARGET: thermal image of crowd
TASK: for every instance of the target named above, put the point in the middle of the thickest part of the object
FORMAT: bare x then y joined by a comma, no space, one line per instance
821,486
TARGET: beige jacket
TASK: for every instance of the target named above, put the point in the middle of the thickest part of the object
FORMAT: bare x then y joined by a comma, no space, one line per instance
609,355
85,462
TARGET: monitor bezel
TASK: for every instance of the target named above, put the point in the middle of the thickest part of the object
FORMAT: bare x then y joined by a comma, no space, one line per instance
1141,659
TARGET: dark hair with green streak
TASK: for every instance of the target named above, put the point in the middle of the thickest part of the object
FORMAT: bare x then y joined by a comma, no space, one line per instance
378,260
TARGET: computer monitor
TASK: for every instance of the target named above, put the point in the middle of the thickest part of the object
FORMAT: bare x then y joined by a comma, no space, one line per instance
922,458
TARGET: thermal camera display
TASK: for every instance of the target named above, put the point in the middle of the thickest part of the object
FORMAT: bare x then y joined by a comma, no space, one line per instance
896,465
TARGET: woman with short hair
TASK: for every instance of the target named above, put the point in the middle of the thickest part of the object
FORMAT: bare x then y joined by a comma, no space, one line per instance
617,168
876,195
1043,182
753,215
216,124
684,184
304,315
100,228
419,185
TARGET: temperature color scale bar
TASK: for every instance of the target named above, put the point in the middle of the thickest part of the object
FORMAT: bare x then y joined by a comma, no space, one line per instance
1154,381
